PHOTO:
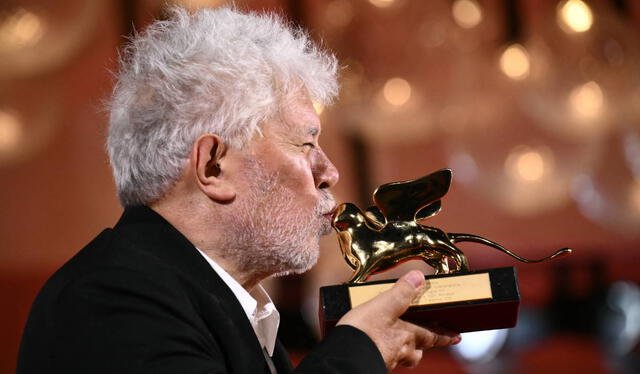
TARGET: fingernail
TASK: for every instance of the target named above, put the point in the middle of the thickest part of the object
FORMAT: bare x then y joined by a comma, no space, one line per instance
456,340
415,277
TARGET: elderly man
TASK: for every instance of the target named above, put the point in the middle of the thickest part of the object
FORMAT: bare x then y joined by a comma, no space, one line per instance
214,146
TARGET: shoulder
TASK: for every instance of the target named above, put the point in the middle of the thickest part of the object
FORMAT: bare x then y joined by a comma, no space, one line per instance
111,271
111,301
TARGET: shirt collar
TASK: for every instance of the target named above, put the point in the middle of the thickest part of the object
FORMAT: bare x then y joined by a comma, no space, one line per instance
257,305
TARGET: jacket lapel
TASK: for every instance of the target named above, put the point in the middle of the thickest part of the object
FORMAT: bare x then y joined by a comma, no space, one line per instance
281,359
151,232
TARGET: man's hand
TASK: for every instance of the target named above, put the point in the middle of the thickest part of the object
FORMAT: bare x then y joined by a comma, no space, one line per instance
399,342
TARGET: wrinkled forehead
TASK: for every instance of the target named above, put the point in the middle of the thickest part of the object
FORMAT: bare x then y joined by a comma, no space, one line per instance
298,111
296,116
294,121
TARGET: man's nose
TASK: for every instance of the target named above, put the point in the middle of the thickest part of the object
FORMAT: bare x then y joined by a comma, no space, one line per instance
326,174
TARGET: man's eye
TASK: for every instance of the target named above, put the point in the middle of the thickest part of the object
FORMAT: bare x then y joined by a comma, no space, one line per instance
310,145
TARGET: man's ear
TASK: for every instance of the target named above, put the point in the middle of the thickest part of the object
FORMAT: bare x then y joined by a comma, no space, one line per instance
208,155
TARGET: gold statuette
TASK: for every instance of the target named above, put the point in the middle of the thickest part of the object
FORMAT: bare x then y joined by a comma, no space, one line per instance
392,231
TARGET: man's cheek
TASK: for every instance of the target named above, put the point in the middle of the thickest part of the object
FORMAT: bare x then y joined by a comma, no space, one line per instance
299,175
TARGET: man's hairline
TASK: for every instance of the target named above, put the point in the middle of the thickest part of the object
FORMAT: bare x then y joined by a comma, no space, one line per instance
284,100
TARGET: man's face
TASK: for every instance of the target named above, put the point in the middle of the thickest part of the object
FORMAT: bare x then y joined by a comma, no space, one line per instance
283,204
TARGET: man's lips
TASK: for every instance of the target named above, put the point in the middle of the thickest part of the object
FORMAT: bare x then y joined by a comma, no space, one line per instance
329,215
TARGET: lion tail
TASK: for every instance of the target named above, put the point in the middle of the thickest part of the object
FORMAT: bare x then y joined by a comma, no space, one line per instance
460,237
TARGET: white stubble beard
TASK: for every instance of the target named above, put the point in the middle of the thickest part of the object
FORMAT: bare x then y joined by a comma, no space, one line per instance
269,234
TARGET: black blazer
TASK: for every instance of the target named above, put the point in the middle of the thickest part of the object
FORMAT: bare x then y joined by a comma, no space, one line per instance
140,299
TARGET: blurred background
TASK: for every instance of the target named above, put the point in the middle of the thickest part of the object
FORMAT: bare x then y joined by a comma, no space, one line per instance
534,105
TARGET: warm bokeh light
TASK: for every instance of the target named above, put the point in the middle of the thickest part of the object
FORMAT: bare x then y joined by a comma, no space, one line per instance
319,108
20,29
514,62
397,91
528,164
586,101
466,13
10,132
339,13
382,3
574,16
197,4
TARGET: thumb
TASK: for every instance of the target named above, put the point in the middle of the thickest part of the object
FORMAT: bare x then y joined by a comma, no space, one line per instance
405,290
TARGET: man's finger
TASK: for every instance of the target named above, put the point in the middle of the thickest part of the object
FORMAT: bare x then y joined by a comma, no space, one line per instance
413,359
409,357
404,291
425,338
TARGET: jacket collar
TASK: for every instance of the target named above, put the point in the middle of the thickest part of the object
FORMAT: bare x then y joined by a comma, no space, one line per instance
150,232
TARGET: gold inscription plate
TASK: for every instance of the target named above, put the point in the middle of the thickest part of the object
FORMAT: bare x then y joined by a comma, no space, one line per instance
437,290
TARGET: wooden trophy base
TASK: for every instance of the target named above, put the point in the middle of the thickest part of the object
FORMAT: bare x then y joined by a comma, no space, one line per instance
459,302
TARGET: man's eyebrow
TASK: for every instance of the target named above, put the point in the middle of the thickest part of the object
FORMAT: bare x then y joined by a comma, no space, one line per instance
313,131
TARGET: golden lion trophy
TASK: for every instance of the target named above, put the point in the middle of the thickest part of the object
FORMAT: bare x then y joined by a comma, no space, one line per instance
392,232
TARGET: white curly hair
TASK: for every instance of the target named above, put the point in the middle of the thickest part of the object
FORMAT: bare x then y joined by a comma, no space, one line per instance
212,71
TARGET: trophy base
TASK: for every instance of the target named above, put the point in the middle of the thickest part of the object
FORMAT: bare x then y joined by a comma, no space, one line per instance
460,302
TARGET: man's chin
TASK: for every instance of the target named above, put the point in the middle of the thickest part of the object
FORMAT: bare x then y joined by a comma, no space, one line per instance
301,265
296,270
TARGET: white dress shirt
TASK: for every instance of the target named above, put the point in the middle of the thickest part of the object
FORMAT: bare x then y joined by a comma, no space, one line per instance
258,307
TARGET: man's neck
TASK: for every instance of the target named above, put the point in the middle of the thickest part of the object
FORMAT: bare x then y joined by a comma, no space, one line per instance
246,279
197,225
